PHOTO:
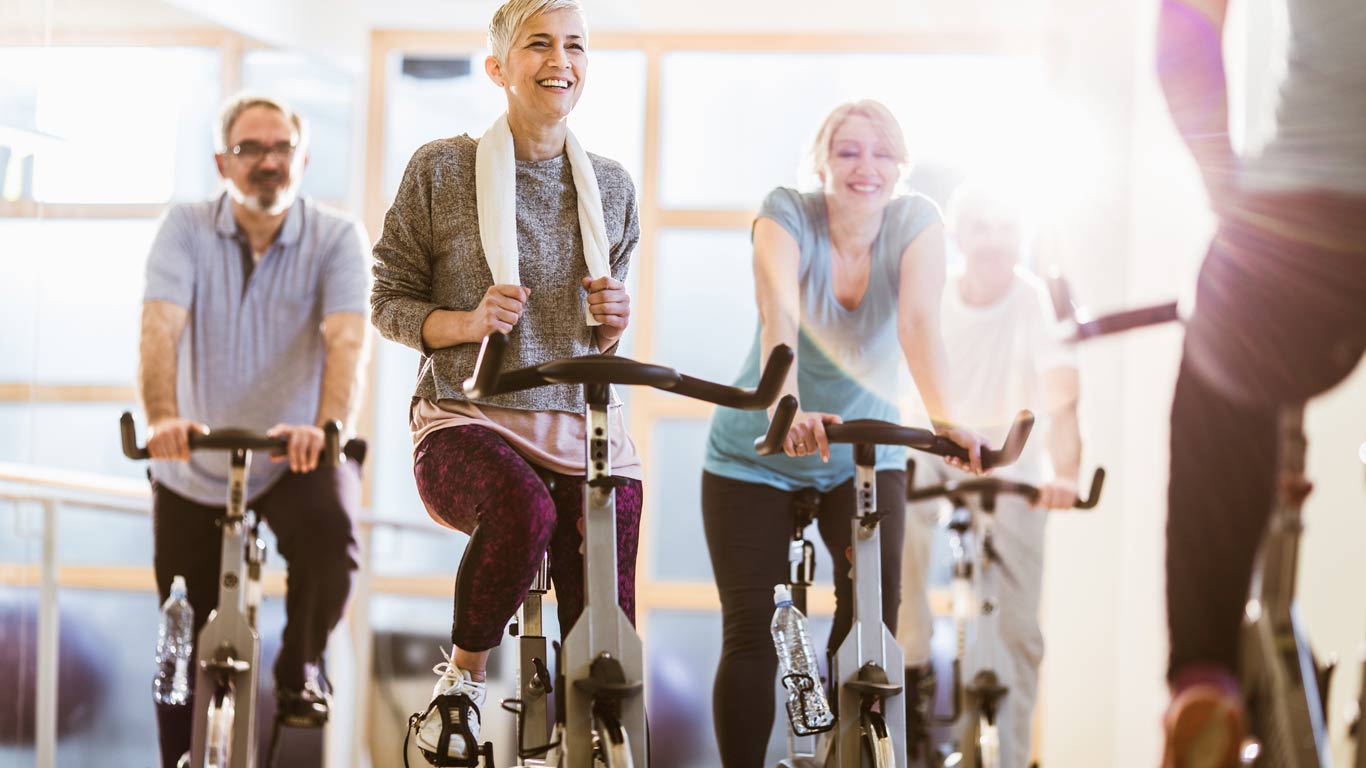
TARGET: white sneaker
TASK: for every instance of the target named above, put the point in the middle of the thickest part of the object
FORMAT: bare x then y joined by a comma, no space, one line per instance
453,681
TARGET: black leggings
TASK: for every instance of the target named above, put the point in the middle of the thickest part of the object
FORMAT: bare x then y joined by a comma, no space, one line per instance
748,527
1280,317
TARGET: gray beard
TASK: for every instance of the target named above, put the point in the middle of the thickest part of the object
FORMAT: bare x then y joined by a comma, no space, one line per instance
270,202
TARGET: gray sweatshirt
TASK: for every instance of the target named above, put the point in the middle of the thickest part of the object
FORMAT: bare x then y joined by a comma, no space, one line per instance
430,257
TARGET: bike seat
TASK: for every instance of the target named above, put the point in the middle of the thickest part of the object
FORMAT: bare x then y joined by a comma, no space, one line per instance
872,681
607,680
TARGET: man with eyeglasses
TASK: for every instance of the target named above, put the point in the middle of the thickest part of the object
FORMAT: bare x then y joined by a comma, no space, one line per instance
254,317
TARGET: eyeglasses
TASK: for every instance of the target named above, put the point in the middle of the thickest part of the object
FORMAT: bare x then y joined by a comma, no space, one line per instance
255,151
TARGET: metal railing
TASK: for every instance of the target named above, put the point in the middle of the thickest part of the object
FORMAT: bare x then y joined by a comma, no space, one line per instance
54,490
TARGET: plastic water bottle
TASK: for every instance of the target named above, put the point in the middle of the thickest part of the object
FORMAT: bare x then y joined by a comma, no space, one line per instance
807,709
174,644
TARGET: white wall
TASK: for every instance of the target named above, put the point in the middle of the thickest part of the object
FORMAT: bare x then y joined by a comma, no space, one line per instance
330,29
868,16
38,16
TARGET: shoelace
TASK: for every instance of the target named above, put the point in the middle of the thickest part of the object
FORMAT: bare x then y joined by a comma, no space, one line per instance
446,668
449,671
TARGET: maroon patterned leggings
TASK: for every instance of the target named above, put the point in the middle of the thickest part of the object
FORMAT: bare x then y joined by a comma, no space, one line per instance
514,513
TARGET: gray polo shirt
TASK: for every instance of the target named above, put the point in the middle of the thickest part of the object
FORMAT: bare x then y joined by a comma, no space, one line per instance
252,352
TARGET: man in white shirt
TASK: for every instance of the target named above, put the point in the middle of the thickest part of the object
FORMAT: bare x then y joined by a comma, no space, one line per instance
1003,357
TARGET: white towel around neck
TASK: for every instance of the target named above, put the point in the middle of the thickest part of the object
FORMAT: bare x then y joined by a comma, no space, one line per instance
495,182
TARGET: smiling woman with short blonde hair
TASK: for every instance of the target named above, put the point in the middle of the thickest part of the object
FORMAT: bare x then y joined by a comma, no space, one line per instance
521,232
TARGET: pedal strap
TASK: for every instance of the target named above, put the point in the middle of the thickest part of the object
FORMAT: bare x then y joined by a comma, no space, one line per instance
451,708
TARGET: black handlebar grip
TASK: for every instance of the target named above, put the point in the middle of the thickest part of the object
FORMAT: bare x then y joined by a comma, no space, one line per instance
1093,498
772,441
332,454
487,367
773,376
1006,455
128,434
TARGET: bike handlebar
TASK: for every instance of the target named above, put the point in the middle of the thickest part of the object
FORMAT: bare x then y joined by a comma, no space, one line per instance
995,485
871,431
231,439
489,379
1085,327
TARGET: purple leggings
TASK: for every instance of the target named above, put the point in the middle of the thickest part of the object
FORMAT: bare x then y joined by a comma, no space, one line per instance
514,512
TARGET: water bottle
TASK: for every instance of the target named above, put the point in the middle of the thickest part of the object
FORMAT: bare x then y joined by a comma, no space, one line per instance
171,685
807,709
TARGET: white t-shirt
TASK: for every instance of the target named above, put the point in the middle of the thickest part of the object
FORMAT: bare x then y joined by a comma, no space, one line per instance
998,356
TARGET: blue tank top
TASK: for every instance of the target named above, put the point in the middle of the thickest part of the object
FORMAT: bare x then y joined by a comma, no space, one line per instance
848,361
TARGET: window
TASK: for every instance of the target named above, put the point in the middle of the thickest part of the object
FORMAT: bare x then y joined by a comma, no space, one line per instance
74,132
950,108
326,99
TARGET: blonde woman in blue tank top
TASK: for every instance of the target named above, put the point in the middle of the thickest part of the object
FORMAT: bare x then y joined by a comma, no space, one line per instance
850,276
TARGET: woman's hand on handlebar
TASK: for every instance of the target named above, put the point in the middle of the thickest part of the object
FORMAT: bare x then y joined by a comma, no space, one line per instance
972,442
169,439
305,445
807,434
1058,493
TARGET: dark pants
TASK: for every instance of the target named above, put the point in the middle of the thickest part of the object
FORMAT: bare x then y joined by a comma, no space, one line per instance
1280,317
748,527
311,516
471,478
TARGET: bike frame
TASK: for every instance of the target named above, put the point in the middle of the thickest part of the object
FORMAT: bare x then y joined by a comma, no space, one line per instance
971,533
868,668
974,604
1280,677
602,634
229,646
601,703
868,671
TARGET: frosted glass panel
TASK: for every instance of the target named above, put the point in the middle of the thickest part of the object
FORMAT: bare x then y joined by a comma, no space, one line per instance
673,501
71,299
704,308
727,147
104,709
684,649
76,436
92,139
326,99
433,552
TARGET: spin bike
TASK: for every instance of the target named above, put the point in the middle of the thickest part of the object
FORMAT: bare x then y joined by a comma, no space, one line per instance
229,646
975,561
599,717
867,674
1285,688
